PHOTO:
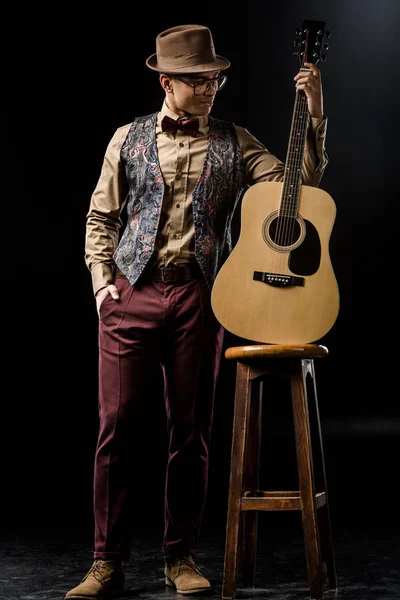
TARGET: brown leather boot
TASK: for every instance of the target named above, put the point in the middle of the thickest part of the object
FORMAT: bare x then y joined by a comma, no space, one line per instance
105,579
185,577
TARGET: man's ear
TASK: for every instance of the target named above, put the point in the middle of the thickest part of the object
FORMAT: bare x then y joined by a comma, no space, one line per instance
165,81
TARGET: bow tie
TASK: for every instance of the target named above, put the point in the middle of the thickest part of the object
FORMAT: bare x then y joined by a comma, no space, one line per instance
189,126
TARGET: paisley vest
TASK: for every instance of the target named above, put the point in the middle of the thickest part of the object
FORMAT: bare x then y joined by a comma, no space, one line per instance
216,194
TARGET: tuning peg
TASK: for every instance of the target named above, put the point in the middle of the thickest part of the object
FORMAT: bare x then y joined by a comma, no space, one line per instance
327,34
323,56
325,46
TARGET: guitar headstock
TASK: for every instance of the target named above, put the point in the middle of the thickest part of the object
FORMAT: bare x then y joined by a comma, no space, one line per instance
311,41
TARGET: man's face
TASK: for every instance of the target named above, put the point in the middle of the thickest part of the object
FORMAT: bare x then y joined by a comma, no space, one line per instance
191,94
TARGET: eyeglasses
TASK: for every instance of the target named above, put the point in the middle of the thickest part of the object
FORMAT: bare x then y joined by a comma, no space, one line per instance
203,85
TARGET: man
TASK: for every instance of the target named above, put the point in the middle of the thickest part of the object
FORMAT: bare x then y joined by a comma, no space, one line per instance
178,174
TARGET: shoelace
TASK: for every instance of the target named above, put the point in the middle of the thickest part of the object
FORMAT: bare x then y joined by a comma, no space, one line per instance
189,563
97,570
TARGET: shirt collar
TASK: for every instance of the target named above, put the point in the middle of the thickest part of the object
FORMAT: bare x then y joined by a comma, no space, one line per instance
203,120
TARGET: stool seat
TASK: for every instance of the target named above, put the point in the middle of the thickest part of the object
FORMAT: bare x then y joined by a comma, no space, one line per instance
246,353
254,364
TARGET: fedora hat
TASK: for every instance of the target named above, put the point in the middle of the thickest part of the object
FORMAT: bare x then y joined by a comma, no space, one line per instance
186,49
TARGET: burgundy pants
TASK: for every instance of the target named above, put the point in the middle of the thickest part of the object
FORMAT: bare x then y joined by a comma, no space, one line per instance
155,323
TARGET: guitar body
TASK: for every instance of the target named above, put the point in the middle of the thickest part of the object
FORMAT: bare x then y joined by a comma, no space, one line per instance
295,298
278,286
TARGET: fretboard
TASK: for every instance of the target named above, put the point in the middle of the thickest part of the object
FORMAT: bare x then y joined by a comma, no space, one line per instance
294,158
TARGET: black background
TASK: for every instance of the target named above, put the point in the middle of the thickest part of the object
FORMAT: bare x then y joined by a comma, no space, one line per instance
73,80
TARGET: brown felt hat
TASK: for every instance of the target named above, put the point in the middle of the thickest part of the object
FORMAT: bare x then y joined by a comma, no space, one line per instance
186,49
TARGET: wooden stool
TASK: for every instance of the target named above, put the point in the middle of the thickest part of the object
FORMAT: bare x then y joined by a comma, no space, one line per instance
254,363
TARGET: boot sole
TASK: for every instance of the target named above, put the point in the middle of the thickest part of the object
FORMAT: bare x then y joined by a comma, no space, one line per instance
114,594
187,592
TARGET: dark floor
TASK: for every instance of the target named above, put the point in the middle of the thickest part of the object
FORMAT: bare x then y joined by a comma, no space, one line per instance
367,564
46,540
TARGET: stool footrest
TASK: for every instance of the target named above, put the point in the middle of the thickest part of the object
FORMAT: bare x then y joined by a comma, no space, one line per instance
268,500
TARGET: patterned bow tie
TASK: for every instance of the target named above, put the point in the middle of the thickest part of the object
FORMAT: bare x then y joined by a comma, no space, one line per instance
189,126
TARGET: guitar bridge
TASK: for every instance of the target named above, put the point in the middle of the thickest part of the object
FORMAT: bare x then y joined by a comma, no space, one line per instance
277,279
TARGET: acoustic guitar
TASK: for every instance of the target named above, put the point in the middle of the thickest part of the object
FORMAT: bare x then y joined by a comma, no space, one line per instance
278,286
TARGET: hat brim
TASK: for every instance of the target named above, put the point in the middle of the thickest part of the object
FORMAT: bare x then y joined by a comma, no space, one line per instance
219,64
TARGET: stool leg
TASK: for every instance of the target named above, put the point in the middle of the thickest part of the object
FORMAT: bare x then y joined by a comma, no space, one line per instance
324,520
252,482
306,479
240,426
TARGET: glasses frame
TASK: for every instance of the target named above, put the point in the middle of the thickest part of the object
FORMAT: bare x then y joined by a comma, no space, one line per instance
208,85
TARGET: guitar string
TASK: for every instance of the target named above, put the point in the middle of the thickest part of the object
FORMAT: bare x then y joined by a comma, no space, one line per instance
300,121
289,188
292,180
281,259
294,162
298,164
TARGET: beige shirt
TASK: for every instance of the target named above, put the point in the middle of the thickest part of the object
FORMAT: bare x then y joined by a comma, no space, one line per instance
181,160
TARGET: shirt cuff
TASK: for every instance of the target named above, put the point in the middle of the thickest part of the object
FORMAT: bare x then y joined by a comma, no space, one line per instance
316,130
102,276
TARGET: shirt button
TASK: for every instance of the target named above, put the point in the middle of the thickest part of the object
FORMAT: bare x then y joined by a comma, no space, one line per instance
178,206
174,236
181,144
179,174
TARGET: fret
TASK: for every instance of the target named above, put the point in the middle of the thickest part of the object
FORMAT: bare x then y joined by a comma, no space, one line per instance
294,159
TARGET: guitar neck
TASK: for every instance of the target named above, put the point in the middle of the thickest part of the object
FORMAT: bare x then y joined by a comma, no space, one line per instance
294,157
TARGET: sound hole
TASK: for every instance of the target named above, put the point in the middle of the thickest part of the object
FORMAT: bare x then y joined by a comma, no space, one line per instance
284,231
